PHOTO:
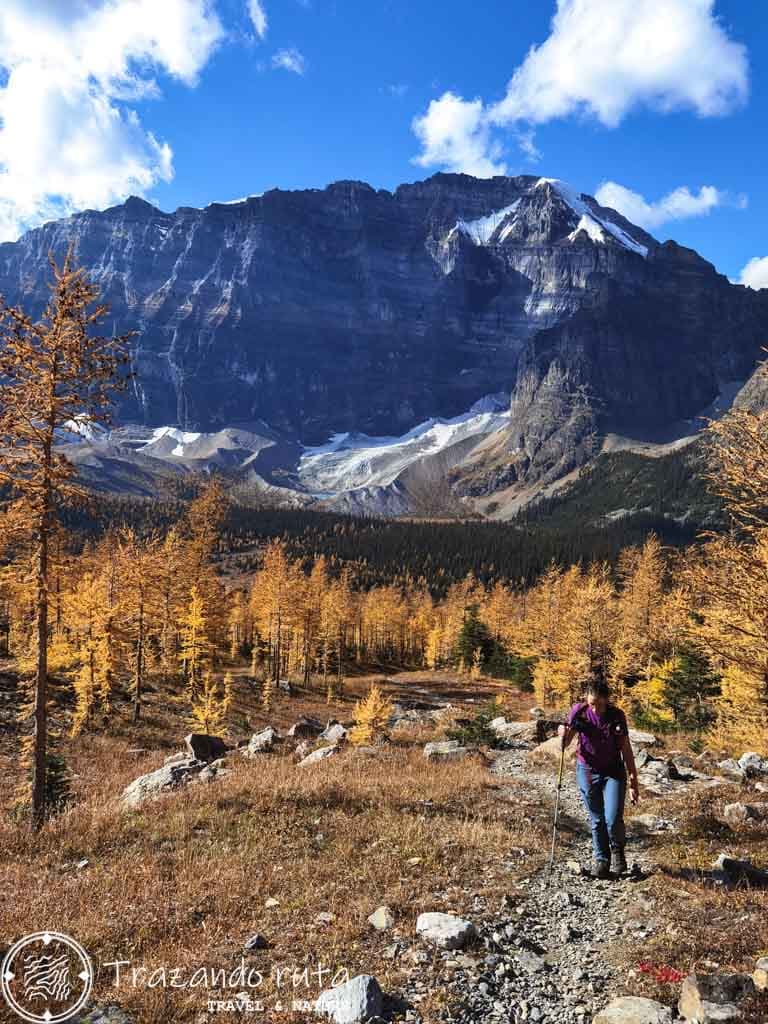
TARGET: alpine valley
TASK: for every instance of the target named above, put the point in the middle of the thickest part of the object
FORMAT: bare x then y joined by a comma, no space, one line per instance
458,347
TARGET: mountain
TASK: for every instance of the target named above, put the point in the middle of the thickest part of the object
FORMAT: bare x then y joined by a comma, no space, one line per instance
345,327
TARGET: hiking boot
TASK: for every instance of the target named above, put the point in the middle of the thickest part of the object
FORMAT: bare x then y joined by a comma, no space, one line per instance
618,861
601,868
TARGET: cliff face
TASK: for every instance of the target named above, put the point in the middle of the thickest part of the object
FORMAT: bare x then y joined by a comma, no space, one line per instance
350,309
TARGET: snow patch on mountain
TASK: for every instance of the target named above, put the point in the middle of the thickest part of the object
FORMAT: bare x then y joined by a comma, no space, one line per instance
591,222
482,229
351,461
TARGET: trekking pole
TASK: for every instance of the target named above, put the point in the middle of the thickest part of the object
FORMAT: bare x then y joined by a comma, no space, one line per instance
557,812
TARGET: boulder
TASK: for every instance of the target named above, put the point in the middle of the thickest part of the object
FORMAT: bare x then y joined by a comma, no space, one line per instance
525,732
163,780
334,732
651,824
357,1000
445,750
634,1010
261,742
706,998
536,713
740,814
738,871
203,747
317,756
642,739
305,728
732,770
552,749
382,919
176,758
445,930
760,976
105,1014
753,764
255,942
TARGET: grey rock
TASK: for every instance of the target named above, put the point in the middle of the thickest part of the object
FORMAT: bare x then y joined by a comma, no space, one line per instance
642,739
634,1010
255,942
104,1014
706,998
760,976
445,930
651,824
753,764
176,758
359,999
261,742
203,747
732,770
445,750
741,814
334,732
163,780
317,756
382,919
738,871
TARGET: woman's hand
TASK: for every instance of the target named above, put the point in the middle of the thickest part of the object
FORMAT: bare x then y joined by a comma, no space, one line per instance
634,789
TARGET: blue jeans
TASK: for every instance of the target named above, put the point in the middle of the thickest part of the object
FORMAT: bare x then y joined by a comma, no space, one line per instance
603,796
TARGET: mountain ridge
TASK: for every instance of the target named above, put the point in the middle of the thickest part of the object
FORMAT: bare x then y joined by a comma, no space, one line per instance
357,310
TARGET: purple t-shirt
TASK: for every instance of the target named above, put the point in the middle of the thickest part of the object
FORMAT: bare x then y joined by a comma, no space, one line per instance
600,737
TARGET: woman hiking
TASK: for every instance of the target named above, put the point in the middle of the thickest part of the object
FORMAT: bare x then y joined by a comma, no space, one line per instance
604,760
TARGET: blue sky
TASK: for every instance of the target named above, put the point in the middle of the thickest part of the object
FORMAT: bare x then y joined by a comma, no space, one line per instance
213,101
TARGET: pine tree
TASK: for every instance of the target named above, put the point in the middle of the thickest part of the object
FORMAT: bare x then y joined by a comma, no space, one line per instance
55,372
372,715
195,646
208,707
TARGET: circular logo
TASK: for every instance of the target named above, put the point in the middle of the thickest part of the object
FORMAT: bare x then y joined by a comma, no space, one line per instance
46,977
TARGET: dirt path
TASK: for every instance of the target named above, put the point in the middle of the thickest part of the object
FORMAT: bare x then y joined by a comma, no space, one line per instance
553,950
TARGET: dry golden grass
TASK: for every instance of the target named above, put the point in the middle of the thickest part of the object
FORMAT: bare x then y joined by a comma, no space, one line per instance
182,881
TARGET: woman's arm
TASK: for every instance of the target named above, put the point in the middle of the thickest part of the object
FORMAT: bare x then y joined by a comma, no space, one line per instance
566,734
629,760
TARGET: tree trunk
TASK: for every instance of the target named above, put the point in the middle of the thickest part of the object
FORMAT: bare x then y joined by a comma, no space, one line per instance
41,675
139,676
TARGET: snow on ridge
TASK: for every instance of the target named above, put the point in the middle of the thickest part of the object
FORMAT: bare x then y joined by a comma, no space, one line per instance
594,225
481,230
181,437
350,462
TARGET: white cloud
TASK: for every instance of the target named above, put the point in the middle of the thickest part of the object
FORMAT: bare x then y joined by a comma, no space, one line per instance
258,17
606,58
454,135
755,273
67,138
290,59
676,205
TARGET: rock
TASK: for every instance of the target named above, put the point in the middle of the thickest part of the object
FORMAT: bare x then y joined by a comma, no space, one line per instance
302,749
706,998
318,755
445,750
382,919
651,824
163,780
445,930
261,742
575,867
284,686
325,917
358,999
753,764
176,758
526,732
271,902
552,749
536,713
107,1014
203,747
760,977
739,813
255,942
761,787
634,1010
334,732
305,728
732,770
642,739
736,871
